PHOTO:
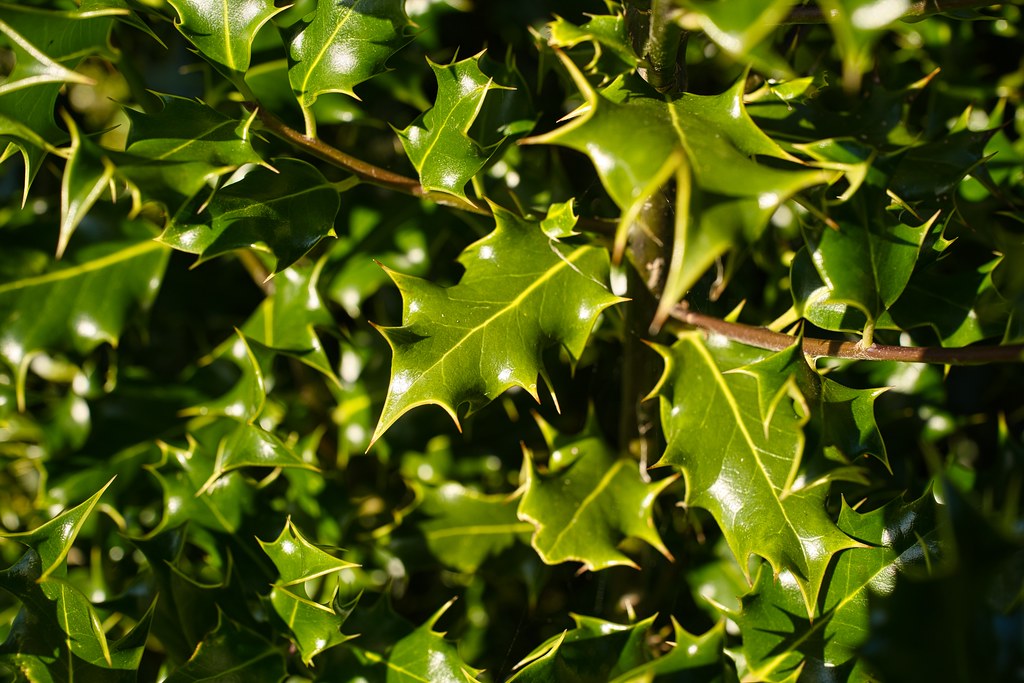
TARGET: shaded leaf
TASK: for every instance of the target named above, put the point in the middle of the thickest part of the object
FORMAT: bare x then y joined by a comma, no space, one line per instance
223,30
80,303
232,648
173,154
522,291
743,466
741,29
288,211
87,173
589,501
596,650
465,527
286,319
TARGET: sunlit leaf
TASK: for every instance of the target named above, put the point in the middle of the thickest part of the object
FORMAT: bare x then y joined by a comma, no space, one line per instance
223,30
522,291
596,650
297,560
341,44
438,142
743,466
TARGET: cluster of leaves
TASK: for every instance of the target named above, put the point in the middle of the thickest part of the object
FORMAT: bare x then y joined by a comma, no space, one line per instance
214,463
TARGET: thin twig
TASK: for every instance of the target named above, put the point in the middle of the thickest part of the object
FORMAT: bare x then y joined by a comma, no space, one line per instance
813,14
764,338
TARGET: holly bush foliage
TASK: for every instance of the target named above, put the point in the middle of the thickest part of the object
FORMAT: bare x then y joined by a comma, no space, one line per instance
670,268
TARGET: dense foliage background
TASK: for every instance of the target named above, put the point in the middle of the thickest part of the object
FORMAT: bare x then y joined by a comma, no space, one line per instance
251,253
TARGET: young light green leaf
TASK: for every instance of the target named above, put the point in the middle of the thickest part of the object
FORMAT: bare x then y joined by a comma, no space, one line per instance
297,559
522,292
596,650
223,30
232,648
744,468
342,44
588,501
289,211
465,527
438,142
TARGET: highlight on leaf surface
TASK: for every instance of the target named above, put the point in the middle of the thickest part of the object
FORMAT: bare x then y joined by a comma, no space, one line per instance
522,292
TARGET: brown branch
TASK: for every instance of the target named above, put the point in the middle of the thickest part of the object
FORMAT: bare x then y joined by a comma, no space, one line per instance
812,14
764,338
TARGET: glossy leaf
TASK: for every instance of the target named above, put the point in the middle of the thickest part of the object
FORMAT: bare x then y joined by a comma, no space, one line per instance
297,560
743,465
864,265
857,25
691,659
233,648
246,399
393,650
289,211
616,128
342,44
522,291
87,173
438,142
314,627
183,475
588,501
603,32
779,639
464,527
223,31
740,29
173,154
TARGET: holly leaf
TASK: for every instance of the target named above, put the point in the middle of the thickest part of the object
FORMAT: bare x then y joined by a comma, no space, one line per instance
693,659
297,559
315,627
603,32
391,649
740,29
246,399
286,213
173,154
779,639
858,271
87,173
522,292
341,44
233,648
465,527
223,30
183,475
80,303
743,466
286,319
588,501
708,143
438,142
857,26
596,650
